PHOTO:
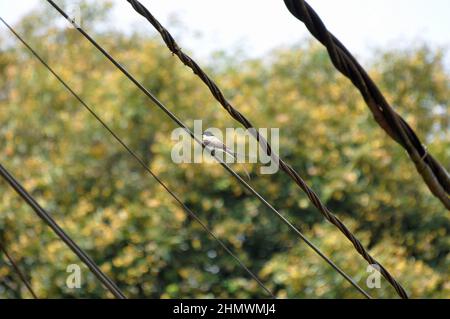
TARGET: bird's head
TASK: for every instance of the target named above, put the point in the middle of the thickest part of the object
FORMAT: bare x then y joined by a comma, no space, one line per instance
207,133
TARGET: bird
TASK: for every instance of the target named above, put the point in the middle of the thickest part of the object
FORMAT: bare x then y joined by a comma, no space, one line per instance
214,144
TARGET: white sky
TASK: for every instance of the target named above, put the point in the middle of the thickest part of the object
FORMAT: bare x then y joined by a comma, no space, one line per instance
265,24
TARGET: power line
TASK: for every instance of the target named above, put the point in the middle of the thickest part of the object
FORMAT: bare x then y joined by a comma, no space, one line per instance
433,173
142,163
223,164
48,219
18,271
219,96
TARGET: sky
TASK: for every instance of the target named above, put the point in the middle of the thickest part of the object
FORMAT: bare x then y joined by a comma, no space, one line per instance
258,26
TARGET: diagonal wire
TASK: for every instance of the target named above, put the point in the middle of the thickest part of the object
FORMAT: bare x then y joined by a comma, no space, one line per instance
433,173
182,125
48,219
145,166
219,96
18,271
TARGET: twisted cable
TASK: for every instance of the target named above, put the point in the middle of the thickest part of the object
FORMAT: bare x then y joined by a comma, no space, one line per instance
222,163
142,163
433,173
219,96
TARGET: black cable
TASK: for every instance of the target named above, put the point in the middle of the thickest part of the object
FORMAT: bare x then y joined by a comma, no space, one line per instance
142,163
18,271
181,124
217,93
48,219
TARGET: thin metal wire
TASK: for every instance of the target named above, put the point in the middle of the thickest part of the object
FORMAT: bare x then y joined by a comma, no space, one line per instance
223,164
146,167
433,173
48,219
289,170
18,271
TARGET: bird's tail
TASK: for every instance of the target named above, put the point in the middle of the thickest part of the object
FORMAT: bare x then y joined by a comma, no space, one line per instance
234,155
243,166
246,172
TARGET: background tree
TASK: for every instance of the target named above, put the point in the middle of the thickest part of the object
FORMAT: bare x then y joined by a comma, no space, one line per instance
143,240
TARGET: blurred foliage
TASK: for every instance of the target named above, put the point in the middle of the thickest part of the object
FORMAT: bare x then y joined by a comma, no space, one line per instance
143,240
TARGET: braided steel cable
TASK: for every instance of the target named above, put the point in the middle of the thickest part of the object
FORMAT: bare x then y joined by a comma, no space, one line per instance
219,96
222,163
145,166
433,173
48,219
18,271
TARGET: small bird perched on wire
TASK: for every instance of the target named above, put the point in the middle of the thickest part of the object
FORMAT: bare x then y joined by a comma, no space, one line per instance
214,144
